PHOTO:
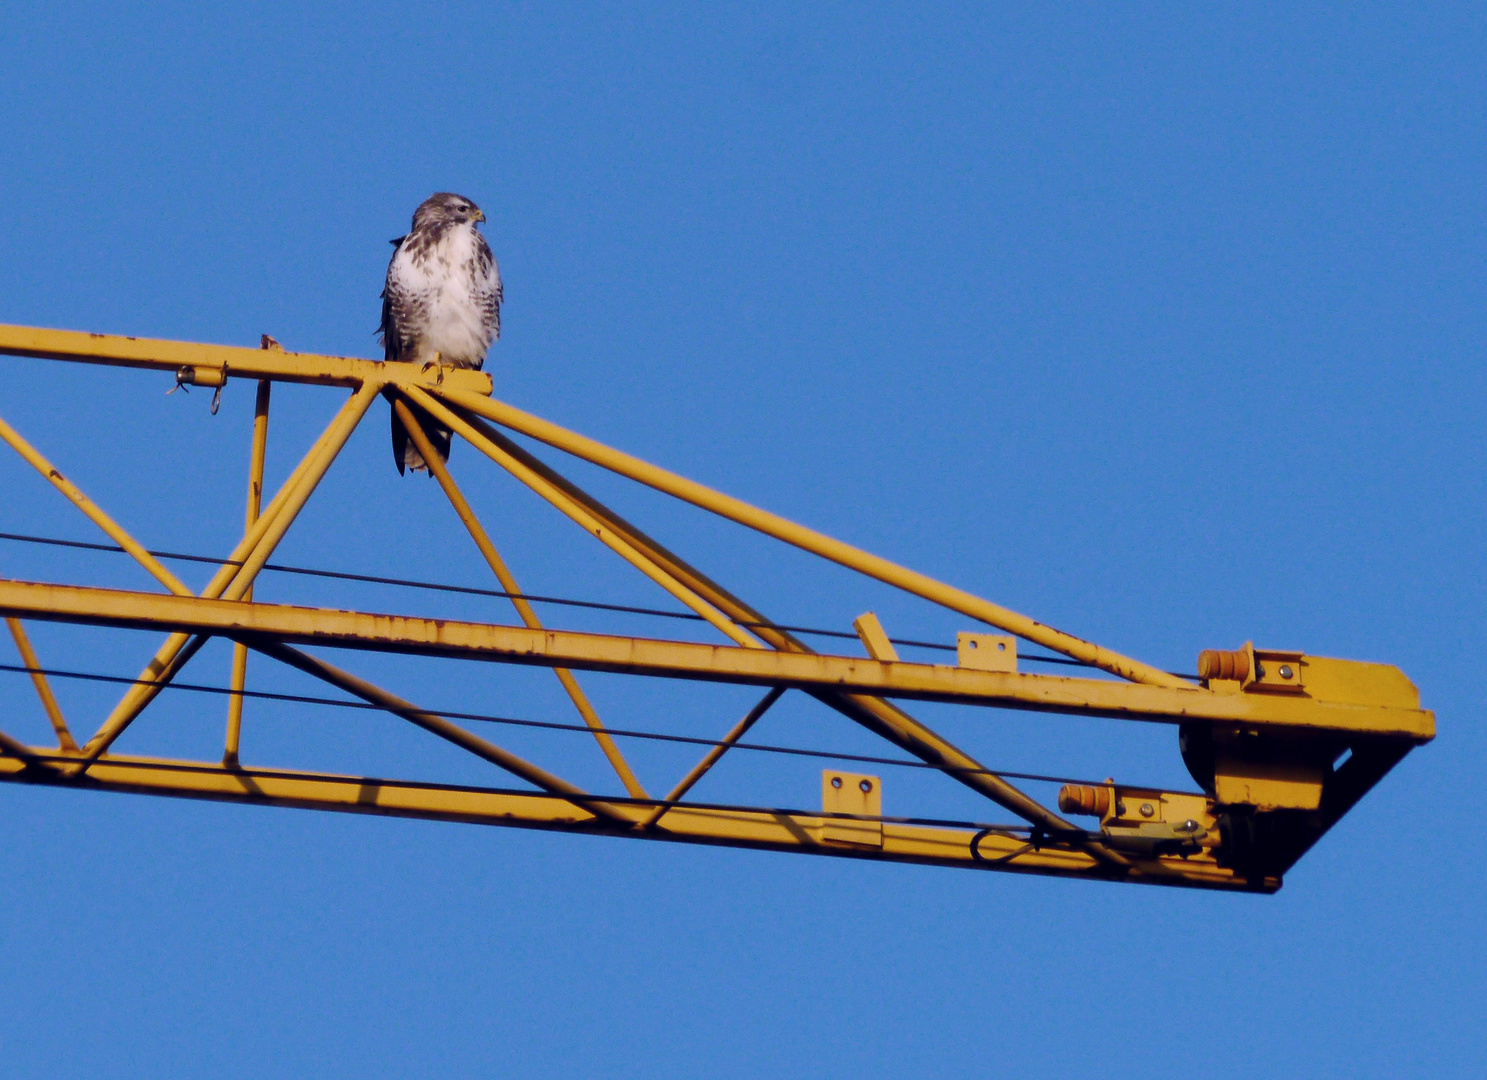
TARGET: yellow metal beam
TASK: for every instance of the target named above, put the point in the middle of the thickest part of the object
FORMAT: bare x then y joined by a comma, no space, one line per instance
711,758
43,689
91,510
808,539
873,637
524,610
770,829
717,663
255,504
213,361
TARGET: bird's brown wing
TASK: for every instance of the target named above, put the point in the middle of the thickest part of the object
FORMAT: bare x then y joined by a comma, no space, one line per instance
394,341
487,283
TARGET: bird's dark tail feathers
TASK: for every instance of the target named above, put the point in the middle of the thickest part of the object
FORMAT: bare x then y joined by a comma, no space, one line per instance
405,454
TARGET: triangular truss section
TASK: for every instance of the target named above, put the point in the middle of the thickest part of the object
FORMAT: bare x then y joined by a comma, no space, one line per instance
1280,744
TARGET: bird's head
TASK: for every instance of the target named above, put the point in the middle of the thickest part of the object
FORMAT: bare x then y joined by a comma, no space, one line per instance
444,209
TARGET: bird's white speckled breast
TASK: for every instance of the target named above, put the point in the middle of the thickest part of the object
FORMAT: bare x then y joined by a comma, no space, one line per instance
444,297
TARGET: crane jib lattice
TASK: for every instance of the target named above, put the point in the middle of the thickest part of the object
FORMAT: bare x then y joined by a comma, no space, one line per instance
1281,744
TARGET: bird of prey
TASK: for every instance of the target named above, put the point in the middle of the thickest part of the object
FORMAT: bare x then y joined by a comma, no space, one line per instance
441,303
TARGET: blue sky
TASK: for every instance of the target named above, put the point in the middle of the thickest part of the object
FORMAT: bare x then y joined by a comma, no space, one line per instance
1160,324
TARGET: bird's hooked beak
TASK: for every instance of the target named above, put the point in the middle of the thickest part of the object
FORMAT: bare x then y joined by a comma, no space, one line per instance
479,214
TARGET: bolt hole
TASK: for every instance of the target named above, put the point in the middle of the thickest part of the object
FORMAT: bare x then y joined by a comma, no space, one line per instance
1001,646
836,781
971,644
865,785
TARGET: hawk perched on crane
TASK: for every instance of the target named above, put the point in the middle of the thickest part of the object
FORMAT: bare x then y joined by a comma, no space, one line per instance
441,303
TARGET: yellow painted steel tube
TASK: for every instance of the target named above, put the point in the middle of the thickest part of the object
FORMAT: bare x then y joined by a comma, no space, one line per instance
335,434
663,557
235,361
43,688
698,771
16,748
748,827
231,581
575,511
256,459
808,539
441,727
846,675
339,431
498,566
93,512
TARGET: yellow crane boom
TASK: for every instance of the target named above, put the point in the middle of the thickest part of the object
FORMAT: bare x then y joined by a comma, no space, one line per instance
1281,744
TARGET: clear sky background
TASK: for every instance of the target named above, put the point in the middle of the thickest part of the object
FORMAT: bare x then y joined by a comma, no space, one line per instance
1161,324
